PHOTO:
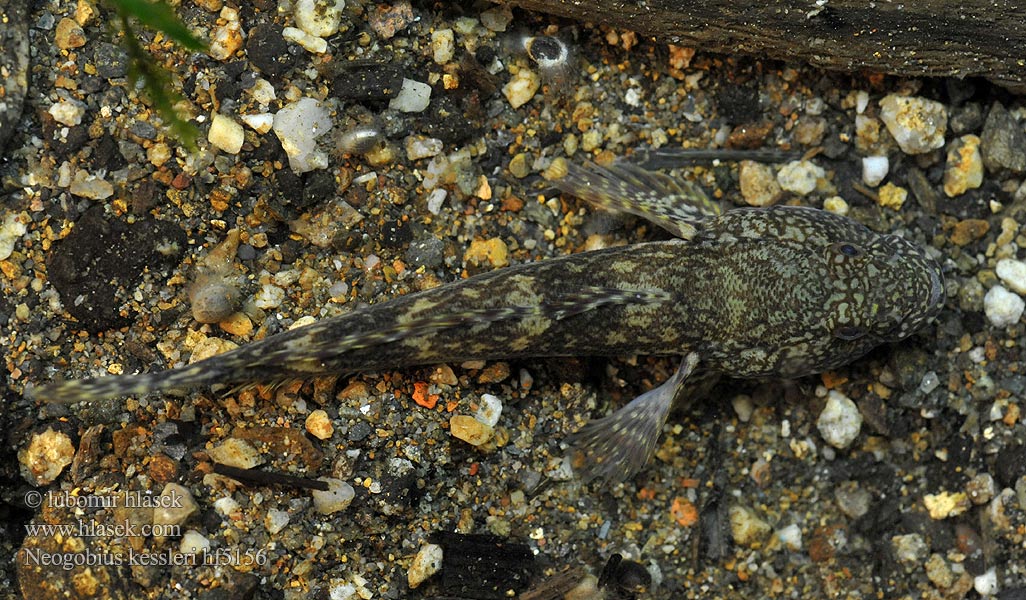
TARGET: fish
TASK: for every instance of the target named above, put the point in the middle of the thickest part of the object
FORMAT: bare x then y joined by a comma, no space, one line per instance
777,292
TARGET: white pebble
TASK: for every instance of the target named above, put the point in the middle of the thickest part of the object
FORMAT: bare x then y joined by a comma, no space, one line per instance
791,537
262,92
435,200
987,583
490,410
1003,308
836,205
840,421
67,112
743,406
442,45
861,101
800,176
275,520
194,542
929,383
1013,273
917,124
310,43
319,18
90,186
413,97
298,126
521,88
427,562
236,452
261,122
874,169
10,232
418,147
269,297
338,496
225,134
226,506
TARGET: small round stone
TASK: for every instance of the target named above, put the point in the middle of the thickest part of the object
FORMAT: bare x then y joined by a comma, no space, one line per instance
67,112
175,505
418,147
298,126
493,252
892,196
427,562
840,421
1003,308
917,124
746,527
910,548
490,410
235,452
520,166
69,34
194,542
213,299
45,456
275,520
521,88
800,176
836,205
874,169
319,425
443,45
413,97
759,186
470,430
964,170
320,18
338,496
1012,273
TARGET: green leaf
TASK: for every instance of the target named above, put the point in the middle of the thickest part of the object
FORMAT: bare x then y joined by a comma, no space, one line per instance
160,17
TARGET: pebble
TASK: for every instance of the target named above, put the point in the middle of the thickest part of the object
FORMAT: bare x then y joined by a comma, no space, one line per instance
840,421
892,196
174,506
435,200
854,501
427,562
791,537
226,506
413,97
338,496
158,154
743,407
746,527
969,230
319,425
90,186
759,186
910,548
520,165
981,488
874,169
470,430
800,176
521,87
194,542
836,205
226,39
946,504
929,382
443,45
45,456
10,232
225,134
319,18
275,520
1002,141
497,19
490,410
986,584
917,124
1003,308
492,251
389,19
964,169
69,34
261,122
237,323
938,571
1012,273
418,147
235,452
266,48
298,126
67,112
310,43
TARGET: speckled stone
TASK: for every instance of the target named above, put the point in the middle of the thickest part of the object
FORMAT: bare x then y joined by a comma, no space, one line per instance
759,186
917,124
45,456
964,170
1002,141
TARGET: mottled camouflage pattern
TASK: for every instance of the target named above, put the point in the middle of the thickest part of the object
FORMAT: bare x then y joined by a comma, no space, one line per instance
782,291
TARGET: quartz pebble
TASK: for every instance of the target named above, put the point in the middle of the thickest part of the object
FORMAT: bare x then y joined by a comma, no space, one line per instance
298,126
964,169
319,425
90,186
490,410
236,452
521,88
1012,273
69,34
946,504
840,421
986,584
470,430
261,122
338,496
275,520
759,186
45,456
910,548
800,176
319,18
310,43
746,527
194,542
174,506
413,97
418,147
11,230
67,112
874,169
892,196
917,124
1003,308
443,45
226,38
225,134
836,205
427,562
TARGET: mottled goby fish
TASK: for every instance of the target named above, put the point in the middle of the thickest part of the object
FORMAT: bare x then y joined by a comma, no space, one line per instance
782,291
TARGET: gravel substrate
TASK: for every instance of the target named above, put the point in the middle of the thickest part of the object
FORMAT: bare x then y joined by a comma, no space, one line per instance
356,151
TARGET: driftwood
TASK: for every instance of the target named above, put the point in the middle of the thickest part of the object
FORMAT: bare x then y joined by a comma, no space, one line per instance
14,61
904,37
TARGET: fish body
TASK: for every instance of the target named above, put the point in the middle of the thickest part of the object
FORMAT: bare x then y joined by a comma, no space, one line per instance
782,291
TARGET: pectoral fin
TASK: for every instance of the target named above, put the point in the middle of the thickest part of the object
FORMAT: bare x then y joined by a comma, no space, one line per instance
617,446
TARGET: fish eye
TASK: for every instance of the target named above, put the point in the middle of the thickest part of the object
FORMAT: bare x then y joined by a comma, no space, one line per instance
849,332
850,250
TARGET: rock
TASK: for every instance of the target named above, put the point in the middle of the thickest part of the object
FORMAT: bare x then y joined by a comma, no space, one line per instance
368,85
90,186
226,39
840,421
874,169
275,520
427,252
310,43
910,549
174,506
435,200
67,112
235,452
266,48
320,18
964,170
470,430
892,196
338,497
225,134
413,97
1013,273
10,232
45,456
427,562
194,542
917,124
298,126
759,186
946,504
1002,141
1003,308
418,147
443,45
213,298
69,34
490,410
746,527
388,19
969,230
492,252
836,205
237,323
319,425
800,176
519,165
521,87
261,122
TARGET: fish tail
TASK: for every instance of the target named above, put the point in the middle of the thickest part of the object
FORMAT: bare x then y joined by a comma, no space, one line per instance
73,391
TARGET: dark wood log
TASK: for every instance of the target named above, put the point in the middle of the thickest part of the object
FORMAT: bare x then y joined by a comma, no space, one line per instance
14,63
960,38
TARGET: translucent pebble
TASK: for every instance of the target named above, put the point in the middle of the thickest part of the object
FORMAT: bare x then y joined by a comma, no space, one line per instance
1003,308
413,97
427,562
840,421
874,169
929,383
1012,273
338,496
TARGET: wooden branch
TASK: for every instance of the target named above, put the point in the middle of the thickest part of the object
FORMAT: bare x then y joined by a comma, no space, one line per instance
960,38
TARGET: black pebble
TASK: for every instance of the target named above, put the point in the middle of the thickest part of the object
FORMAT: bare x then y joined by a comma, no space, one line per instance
110,60
376,84
266,49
